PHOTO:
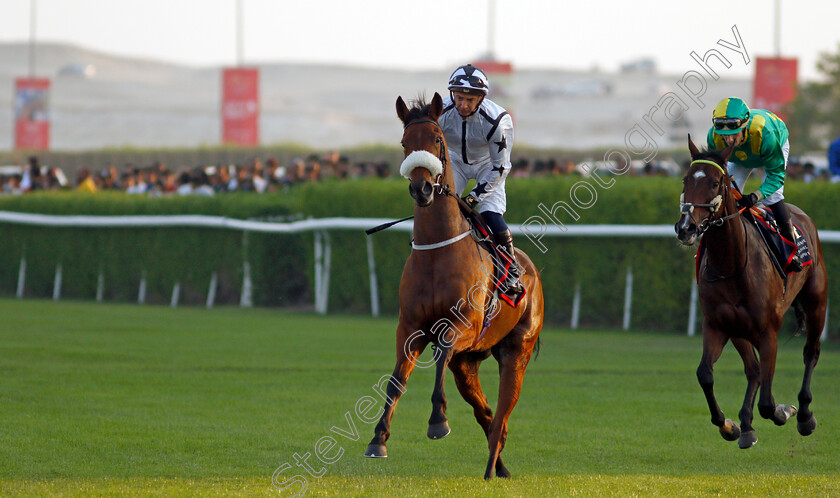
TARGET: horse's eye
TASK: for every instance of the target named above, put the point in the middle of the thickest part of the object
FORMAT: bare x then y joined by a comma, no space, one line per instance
715,184
438,140
683,180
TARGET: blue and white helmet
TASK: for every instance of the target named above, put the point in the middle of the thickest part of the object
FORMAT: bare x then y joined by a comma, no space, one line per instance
469,79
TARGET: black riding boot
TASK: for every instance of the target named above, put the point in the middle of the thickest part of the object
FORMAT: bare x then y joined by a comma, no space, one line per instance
782,214
512,282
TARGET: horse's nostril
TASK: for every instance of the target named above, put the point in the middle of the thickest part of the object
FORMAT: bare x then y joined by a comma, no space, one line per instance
421,193
427,189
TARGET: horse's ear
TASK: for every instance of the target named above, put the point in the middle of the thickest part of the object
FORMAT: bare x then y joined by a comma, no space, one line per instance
436,108
692,149
402,109
725,153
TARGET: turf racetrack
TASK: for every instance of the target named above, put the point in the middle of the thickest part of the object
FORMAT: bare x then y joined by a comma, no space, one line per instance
104,399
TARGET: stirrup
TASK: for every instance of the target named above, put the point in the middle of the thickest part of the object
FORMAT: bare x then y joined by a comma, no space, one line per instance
513,285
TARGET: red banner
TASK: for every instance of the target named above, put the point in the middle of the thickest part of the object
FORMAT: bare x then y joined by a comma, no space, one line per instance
241,106
32,120
774,85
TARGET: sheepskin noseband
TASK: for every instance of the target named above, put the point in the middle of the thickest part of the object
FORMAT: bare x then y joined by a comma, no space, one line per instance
421,159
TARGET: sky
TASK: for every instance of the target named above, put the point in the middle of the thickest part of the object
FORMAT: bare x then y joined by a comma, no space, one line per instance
434,34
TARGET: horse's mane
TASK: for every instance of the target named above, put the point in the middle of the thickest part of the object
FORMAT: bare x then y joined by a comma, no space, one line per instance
419,109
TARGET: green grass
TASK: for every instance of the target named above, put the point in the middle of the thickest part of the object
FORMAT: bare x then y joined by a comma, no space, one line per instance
123,399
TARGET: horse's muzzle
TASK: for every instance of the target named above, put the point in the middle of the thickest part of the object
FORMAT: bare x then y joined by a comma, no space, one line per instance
686,230
421,192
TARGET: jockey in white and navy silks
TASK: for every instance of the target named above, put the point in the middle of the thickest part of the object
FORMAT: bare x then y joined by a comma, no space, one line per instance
479,136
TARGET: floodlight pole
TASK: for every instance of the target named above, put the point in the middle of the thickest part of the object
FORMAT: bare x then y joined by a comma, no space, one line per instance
239,33
777,44
32,10
491,30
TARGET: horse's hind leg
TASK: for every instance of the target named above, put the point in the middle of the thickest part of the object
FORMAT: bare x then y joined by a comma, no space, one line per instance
752,369
408,351
815,306
465,370
713,343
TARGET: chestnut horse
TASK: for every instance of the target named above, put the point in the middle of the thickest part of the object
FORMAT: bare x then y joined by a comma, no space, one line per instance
743,297
444,298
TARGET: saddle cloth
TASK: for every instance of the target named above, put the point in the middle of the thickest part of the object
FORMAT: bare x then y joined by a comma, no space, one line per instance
781,247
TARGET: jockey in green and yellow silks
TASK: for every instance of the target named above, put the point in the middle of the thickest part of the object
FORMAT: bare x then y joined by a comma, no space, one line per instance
761,140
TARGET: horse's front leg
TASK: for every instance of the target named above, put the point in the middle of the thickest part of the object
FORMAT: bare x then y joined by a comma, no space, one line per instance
752,369
513,356
713,342
465,371
767,406
438,426
409,348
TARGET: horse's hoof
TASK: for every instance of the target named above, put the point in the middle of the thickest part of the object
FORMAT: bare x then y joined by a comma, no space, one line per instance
807,428
730,430
376,451
747,440
438,431
783,413
503,473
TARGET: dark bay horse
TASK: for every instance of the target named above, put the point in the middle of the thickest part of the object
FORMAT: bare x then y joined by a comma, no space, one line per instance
743,297
445,299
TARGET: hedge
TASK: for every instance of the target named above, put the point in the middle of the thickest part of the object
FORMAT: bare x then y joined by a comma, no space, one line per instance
282,265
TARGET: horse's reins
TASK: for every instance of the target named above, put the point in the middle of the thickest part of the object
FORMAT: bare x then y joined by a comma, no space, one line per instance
715,204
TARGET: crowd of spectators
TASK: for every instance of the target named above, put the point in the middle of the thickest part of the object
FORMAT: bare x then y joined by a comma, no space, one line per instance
158,179
268,175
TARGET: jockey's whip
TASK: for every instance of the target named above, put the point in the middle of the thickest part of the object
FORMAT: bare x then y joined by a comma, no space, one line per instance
386,225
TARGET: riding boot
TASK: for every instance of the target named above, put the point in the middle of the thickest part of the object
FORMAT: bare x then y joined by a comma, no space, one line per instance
512,283
782,214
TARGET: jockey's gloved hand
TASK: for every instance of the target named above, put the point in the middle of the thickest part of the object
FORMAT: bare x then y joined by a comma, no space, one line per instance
471,201
748,201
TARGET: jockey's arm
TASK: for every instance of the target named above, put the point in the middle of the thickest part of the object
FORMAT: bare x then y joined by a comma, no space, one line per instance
500,144
774,169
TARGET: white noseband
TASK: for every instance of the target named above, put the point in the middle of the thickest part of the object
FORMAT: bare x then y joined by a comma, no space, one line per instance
421,159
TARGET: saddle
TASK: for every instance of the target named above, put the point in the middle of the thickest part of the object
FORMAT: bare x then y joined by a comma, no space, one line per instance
502,261
782,248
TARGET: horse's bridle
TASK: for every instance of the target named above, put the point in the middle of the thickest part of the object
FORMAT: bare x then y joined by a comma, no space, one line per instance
439,188
717,202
